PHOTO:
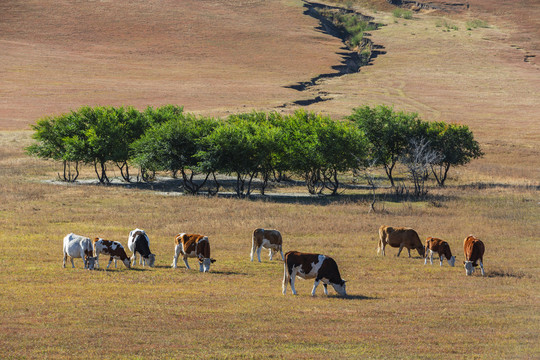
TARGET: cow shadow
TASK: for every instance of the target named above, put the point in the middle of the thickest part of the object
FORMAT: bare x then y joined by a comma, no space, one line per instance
353,297
229,272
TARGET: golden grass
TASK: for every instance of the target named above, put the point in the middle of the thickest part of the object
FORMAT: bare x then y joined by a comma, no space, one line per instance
398,307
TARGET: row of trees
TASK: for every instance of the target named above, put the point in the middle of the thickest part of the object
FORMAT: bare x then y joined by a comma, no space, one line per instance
264,145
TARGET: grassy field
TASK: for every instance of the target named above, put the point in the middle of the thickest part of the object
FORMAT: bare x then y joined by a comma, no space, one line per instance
63,56
398,308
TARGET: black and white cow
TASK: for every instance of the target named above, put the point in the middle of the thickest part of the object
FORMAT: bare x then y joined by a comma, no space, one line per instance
312,266
138,242
77,246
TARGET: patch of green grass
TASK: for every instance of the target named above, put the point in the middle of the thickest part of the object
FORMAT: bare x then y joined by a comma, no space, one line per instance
446,24
476,23
402,13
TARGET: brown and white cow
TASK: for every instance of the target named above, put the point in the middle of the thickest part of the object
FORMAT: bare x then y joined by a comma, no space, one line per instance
399,237
312,266
194,246
474,252
77,246
441,247
111,248
268,239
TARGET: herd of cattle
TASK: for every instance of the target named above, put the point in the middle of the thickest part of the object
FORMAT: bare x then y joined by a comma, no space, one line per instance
304,265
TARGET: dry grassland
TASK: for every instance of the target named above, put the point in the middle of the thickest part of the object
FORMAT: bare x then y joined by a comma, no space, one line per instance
59,57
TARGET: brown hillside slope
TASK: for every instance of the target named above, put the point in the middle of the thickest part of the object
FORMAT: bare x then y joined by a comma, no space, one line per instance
216,56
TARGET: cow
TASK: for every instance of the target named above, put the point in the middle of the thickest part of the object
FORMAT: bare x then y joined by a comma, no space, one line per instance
474,252
399,237
138,242
268,239
441,247
111,248
77,246
312,266
193,245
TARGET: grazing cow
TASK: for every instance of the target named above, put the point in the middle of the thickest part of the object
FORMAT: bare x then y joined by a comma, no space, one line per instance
138,242
76,246
193,245
474,252
309,266
112,248
442,248
268,239
399,237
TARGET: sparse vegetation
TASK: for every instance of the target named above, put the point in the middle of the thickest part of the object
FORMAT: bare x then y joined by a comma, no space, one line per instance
402,13
476,23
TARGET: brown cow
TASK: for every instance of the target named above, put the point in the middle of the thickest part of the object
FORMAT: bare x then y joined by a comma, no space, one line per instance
399,237
309,266
474,251
441,247
193,245
112,248
268,239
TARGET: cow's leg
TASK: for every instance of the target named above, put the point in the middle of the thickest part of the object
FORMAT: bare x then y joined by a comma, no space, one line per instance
399,251
177,249
440,259
115,263
185,262
64,262
72,264
133,259
201,267
271,253
293,277
409,251
259,249
325,288
315,284
482,267
110,260
281,252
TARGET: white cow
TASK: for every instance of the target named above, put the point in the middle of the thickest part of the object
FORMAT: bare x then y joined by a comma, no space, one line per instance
141,247
77,246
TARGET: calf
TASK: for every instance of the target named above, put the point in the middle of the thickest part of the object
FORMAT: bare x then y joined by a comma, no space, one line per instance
399,237
76,246
442,248
268,239
193,245
111,248
138,242
309,266
474,252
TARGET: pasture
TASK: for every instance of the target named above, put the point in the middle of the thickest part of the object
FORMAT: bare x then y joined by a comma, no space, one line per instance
397,308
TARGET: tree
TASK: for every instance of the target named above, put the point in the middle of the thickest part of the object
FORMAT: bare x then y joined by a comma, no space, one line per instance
388,133
173,146
418,160
55,140
456,145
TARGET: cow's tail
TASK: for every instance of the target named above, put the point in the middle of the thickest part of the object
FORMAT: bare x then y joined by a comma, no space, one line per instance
286,276
381,237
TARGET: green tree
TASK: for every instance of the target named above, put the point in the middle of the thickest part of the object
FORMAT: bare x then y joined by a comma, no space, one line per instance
456,145
172,146
388,134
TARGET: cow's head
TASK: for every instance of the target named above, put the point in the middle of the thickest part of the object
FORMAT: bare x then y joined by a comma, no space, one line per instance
340,288
127,263
90,262
151,259
205,263
469,267
421,250
452,261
